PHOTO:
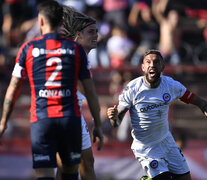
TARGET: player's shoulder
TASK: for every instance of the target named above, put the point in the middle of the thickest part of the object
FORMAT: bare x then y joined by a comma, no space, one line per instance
69,40
27,44
74,44
66,39
136,80
170,82
32,41
167,79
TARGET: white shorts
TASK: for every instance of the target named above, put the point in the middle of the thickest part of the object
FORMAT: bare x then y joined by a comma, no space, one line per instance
162,157
86,140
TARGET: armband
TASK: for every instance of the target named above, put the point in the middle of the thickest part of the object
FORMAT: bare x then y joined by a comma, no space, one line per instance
19,71
203,109
187,97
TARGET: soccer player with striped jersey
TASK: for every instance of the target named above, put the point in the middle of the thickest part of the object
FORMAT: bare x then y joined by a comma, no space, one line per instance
82,29
53,64
148,99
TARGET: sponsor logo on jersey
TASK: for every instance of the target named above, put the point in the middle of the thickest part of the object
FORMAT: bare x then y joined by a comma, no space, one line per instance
153,106
166,97
37,52
75,155
54,93
41,157
154,164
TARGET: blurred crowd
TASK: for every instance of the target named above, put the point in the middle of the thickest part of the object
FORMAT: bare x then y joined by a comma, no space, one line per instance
126,29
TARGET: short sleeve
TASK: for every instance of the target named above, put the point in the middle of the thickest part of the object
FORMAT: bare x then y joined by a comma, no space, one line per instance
179,89
19,71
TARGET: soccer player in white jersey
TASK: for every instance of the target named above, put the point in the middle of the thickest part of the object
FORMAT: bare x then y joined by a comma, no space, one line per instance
148,99
82,29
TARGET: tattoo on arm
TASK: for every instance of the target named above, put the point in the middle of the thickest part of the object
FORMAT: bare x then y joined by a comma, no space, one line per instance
16,83
7,108
11,96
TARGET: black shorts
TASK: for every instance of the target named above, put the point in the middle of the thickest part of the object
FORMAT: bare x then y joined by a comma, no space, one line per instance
52,135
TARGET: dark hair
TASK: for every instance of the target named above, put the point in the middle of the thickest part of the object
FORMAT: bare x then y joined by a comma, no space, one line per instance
74,21
152,51
53,11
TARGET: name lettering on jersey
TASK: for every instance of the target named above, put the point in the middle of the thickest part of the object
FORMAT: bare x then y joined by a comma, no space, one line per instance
37,52
54,93
153,106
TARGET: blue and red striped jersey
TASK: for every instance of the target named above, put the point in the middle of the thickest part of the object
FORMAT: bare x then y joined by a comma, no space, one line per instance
53,64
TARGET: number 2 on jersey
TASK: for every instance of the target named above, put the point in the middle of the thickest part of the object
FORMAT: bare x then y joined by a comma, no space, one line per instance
51,80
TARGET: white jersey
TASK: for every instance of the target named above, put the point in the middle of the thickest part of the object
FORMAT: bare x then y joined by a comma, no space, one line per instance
80,98
149,108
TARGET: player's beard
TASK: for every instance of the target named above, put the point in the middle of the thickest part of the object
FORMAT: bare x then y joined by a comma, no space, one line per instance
153,81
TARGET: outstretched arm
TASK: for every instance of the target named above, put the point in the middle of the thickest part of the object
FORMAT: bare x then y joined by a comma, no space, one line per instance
9,101
201,103
94,107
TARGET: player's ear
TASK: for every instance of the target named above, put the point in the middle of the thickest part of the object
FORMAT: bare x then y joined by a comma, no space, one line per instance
41,20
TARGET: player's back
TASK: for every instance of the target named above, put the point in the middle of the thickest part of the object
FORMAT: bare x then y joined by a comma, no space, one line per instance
53,66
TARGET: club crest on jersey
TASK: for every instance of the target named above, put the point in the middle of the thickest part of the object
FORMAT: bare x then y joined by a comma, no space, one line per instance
154,164
166,97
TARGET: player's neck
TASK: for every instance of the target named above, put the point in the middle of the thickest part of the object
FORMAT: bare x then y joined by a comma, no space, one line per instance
154,84
47,30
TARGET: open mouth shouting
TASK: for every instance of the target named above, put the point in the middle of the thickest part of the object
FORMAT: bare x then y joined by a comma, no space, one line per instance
152,73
